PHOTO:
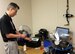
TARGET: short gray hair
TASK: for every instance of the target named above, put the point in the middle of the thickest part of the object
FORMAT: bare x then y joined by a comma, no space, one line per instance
13,5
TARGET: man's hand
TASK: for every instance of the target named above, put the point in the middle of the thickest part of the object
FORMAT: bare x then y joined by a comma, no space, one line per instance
22,35
27,38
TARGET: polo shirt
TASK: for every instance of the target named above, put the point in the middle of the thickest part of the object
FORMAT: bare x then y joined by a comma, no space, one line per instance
6,27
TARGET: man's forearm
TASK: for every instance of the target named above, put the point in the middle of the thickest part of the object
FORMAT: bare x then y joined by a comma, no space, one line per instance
12,35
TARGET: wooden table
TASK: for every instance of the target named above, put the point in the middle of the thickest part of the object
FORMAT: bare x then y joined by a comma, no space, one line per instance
32,50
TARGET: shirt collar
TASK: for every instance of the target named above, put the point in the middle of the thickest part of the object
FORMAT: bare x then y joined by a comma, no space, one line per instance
8,16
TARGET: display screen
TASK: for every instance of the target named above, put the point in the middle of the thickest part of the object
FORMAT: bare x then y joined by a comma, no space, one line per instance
62,31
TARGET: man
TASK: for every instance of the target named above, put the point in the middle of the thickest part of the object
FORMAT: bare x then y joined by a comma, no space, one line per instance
8,30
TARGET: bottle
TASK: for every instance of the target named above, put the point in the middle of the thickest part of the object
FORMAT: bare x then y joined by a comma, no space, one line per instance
42,46
24,48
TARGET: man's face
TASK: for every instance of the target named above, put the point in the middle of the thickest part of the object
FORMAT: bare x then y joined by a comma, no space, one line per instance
13,11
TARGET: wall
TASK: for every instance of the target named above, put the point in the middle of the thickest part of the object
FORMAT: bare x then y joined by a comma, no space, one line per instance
72,21
49,14
23,16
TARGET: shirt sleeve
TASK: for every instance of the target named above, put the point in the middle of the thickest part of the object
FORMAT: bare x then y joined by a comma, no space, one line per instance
5,27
